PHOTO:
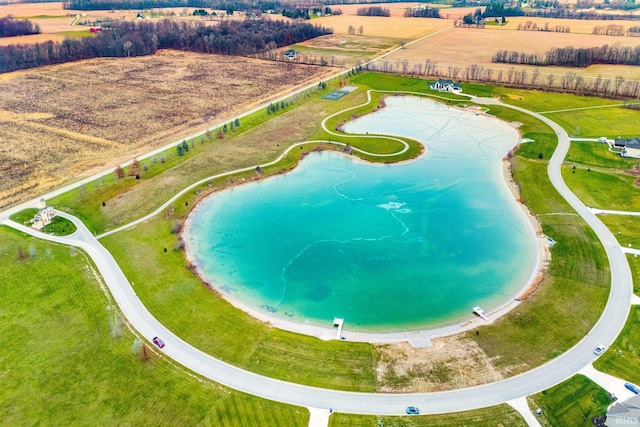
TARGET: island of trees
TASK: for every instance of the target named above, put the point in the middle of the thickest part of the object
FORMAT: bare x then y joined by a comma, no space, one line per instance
10,27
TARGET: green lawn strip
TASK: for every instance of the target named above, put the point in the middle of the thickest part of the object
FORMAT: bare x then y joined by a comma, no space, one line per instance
61,364
25,216
596,154
596,122
541,327
634,264
603,189
192,311
500,415
625,228
622,359
540,101
573,402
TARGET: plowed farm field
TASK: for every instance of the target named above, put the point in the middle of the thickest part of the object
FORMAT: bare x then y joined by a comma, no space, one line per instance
459,47
63,122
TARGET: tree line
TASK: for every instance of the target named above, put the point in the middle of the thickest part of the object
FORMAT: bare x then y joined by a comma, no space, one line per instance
144,38
10,27
569,82
373,11
532,26
616,30
573,57
580,14
422,12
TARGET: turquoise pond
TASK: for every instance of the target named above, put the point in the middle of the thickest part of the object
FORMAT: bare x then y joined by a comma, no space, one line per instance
388,248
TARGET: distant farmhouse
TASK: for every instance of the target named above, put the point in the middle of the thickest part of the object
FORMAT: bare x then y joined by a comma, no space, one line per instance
444,85
290,55
43,217
625,413
628,147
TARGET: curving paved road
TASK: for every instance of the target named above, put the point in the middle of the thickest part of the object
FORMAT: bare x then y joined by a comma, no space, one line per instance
557,370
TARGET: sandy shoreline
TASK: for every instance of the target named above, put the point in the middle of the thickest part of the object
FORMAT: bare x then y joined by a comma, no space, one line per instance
417,339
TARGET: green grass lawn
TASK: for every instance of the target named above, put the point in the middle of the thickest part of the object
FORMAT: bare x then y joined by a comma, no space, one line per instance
586,122
634,264
572,403
500,415
622,359
603,188
625,228
597,155
67,359
594,123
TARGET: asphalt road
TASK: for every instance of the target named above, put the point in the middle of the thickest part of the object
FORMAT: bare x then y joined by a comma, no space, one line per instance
557,370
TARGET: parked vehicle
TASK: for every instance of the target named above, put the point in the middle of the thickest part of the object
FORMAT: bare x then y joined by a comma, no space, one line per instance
413,410
634,388
599,350
157,341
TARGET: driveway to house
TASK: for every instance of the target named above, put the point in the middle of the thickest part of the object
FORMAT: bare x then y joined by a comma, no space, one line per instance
543,377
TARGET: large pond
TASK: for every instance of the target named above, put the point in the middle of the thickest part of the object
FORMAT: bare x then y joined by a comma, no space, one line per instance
388,248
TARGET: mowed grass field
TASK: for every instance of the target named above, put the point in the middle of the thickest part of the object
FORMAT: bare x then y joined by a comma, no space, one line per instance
501,415
61,129
67,359
574,402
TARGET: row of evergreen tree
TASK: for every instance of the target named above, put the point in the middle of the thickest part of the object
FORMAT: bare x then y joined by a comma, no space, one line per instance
144,38
10,27
573,57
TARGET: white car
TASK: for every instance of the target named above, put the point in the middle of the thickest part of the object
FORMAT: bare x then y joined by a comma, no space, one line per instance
599,350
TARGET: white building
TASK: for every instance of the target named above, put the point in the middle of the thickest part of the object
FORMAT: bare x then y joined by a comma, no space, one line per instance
625,413
43,217
444,85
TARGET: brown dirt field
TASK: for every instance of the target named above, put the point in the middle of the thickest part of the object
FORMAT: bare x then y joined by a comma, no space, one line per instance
61,127
394,27
452,362
464,46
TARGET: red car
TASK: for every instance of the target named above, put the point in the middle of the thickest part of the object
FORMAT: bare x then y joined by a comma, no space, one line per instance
157,341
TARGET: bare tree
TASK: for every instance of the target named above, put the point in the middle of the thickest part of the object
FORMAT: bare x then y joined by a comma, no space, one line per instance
360,30
617,85
127,47
534,76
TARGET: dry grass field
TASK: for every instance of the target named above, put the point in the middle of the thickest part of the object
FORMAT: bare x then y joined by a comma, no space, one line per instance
463,46
378,26
582,26
57,127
